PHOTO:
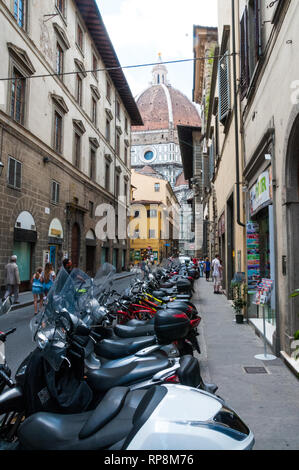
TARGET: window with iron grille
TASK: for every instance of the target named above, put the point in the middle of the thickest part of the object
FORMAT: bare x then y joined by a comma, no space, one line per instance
14,175
18,87
20,12
224,87
55,190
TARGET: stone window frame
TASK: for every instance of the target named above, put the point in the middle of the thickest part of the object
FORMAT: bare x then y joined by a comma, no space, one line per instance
56,199
14,186
95,97
19,60
62,14
79,24
78,131
107,182
59,107
79,79
93,146
26,23
63,42
94,56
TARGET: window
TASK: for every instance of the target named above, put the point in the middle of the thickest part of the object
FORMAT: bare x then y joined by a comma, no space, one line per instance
94,110
108,130
152,213
79,82
224,87
59,60
94,66
60,4
92,166
80,37
118,109
55,189
136,214
108,90
251,43
117,149
126,125
157,187
18,85
126,192
136,233
57,132
14,173
20,12
91,209
126,156
152,234
77,150
107,176
117,185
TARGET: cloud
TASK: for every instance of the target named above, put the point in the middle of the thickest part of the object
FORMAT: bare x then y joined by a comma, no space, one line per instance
140,29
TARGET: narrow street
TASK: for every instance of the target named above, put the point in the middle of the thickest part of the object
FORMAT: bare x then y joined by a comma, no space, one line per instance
268,402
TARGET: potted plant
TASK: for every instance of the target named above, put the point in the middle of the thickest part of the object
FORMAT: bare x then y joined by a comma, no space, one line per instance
239,296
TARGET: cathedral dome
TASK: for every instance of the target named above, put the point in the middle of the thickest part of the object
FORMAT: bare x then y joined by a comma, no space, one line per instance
163,107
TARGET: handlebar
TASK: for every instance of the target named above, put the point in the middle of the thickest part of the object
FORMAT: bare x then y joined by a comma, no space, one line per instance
3,335
6,379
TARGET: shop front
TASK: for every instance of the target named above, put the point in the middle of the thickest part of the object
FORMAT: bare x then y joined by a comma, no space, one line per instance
261,255
25,238
55,242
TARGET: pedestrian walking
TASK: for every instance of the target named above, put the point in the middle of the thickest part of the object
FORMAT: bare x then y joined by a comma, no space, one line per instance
48,277
37,290
216,273
221,277
12,279
201,267
207,269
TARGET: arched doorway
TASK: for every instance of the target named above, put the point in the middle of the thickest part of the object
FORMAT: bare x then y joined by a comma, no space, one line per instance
292,224
75,245
25,237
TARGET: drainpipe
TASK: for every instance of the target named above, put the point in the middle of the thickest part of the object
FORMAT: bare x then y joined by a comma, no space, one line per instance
236,115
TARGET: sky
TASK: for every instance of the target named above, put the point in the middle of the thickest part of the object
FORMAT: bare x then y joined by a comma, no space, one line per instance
141,29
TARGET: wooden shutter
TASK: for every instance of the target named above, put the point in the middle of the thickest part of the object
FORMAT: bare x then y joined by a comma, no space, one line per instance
224,87
244,55
258,29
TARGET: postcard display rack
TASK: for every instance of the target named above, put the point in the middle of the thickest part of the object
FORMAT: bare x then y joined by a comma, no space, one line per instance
260,290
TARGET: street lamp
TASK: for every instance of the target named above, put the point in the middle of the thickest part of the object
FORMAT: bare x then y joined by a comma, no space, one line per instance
1,168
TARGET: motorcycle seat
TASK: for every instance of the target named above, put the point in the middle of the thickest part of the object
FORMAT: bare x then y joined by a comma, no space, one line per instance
138,369
103,428
122,347
140,322
124,331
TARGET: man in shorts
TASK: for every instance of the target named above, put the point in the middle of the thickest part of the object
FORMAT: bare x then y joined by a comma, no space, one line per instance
216,266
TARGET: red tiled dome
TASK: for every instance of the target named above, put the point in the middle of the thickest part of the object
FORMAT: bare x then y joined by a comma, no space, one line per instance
161,105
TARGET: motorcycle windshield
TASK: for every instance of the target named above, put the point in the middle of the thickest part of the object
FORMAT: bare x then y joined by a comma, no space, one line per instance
47,331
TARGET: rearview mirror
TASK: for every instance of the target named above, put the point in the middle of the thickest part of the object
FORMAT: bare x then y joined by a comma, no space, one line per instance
5,306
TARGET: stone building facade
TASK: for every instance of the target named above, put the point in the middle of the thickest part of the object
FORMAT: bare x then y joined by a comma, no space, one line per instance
64,139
